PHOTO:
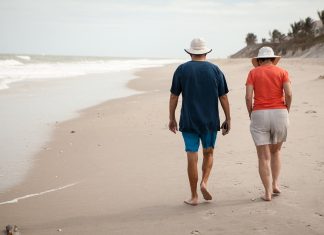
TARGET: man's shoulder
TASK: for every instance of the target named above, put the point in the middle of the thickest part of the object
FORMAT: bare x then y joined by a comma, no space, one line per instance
178,69
184,66
213,66
199,64
191,65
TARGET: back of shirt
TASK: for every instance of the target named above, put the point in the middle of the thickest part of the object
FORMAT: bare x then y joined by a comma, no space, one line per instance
201,83
267,82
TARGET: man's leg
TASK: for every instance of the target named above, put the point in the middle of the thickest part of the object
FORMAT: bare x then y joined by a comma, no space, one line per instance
275,166
193,177
206,168
265,170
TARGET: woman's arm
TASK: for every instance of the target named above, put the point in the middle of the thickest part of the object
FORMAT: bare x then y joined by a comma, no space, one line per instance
249,98
288,94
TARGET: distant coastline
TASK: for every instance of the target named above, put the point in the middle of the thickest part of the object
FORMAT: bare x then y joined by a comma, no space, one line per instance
305,39
289,50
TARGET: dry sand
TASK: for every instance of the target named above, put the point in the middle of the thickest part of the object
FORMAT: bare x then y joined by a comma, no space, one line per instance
118,170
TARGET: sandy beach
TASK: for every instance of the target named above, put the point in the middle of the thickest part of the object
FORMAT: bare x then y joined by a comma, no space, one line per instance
117,169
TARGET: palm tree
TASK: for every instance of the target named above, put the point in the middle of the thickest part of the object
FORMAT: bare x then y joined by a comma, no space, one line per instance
321,16
303,28
296,28
308,26
250,39
276,36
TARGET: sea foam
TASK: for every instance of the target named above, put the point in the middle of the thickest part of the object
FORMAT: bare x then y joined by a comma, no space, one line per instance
20,68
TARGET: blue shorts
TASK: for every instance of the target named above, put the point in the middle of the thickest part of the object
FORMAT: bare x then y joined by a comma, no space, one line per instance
192,140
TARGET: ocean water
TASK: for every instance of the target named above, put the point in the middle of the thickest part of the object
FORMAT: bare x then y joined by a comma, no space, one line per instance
37,92
15,68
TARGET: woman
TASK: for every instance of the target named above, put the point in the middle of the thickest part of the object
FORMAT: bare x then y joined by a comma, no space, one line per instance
270,87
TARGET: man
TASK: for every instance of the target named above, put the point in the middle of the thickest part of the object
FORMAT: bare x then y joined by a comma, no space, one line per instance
201,84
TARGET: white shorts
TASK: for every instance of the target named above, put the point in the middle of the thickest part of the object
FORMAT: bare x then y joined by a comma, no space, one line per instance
269,126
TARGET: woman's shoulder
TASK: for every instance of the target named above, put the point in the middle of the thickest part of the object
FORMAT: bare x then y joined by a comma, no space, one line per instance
277,67
274,68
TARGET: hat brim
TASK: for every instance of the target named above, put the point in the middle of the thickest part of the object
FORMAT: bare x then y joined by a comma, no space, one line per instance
256,64
198,52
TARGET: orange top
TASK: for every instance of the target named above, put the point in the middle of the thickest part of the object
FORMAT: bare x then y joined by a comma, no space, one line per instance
267,82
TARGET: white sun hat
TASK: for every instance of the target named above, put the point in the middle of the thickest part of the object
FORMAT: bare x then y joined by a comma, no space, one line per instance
198,47
265,52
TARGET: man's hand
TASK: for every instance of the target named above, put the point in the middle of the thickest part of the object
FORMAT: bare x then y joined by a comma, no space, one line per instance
226,127
173,126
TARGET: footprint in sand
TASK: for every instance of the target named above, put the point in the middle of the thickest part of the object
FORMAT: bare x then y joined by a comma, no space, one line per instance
305,154
195,232
262,230
211,213
310,111
320,164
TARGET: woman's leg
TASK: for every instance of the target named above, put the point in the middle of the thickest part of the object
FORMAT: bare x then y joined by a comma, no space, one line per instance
275,166
264,157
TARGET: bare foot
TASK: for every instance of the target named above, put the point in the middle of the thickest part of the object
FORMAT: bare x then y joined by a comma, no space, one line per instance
192,201
276,190
266,198
205,193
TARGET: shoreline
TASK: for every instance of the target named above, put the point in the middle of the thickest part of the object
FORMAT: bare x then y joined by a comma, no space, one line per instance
37,185
130,177
135,85
32,109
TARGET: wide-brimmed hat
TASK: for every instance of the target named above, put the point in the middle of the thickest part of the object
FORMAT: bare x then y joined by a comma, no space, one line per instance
198,47
265,52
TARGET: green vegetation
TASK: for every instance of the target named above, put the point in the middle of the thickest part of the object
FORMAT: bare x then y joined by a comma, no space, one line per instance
276,36
321,16
251,39
303,34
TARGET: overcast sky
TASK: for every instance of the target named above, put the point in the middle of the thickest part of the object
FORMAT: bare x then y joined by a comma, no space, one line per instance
142,28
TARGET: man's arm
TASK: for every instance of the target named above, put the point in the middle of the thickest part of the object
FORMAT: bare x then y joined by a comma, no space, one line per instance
173,126
288,94
249,98
226,108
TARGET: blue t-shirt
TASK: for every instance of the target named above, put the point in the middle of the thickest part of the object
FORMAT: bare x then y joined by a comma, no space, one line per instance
201,83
